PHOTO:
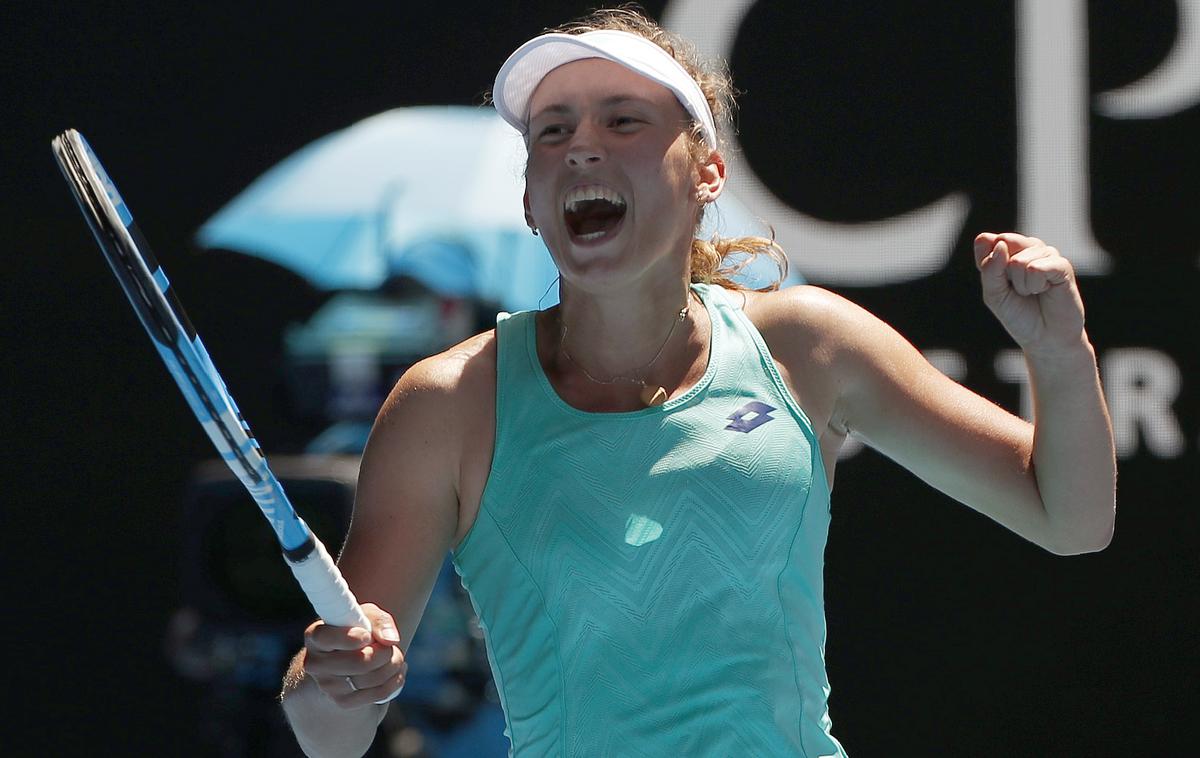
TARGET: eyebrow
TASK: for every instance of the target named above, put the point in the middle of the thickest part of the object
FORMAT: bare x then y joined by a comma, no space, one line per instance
608,102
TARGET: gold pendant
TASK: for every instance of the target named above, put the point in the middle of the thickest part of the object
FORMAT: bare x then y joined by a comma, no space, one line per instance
653,397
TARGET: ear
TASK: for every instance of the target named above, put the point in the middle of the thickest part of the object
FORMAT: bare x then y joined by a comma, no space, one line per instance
528,213
710,178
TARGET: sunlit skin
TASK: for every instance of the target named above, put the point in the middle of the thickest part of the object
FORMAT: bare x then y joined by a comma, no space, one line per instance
429,458
596,122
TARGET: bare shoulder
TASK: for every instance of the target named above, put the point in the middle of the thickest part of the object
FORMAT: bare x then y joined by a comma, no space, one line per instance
811,314
464,373
810,329
800,327
823,344
826,327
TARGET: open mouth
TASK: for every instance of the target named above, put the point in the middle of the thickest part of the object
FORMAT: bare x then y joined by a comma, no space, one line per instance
593,211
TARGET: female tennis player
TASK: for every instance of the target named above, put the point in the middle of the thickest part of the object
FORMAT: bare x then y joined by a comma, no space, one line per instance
635,484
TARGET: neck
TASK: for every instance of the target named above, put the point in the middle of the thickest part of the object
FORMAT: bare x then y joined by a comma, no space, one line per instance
636,369
623,350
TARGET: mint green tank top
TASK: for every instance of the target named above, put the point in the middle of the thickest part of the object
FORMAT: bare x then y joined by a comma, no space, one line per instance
650,583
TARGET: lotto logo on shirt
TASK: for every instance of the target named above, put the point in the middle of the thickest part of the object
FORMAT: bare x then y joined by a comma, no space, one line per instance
750,416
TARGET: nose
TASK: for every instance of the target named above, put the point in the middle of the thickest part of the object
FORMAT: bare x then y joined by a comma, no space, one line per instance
582,157
584,149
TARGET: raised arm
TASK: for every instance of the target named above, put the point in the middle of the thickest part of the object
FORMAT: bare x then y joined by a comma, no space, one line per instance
1053,481
405,520
1032,290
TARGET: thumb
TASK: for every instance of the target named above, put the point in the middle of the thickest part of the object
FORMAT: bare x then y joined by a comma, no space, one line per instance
993,270
383,626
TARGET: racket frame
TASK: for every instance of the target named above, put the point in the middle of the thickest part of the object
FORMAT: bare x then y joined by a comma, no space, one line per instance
162,315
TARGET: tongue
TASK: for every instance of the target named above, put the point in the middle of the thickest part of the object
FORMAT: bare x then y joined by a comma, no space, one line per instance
594,216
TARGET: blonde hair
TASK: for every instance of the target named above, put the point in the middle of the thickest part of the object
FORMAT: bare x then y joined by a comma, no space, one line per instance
718,259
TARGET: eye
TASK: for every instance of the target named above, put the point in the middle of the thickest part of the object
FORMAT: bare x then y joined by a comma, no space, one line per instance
625,122
551,132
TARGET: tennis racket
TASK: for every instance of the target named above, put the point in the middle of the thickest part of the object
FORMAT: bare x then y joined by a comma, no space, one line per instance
159,310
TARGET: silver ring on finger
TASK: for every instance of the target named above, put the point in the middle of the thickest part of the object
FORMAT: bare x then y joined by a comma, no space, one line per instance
350,683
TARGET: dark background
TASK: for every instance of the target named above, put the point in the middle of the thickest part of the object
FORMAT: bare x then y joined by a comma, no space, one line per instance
947,635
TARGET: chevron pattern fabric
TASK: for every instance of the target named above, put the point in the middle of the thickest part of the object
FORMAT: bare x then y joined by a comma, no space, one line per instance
650,583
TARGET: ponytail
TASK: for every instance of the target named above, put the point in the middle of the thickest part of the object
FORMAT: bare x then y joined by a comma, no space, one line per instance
718,260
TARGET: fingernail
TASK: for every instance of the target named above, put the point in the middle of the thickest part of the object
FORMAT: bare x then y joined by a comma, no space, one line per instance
389,634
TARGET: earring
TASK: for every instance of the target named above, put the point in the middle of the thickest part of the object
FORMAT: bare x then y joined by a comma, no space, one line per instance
534,230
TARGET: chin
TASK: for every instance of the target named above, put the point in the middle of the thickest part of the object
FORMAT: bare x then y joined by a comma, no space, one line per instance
612,268
594,271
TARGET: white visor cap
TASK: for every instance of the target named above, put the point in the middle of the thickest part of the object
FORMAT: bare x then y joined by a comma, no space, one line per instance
528,65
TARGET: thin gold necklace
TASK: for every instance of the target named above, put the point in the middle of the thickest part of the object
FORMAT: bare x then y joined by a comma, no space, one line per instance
649,397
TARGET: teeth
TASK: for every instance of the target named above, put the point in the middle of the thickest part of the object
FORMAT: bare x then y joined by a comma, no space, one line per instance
591,192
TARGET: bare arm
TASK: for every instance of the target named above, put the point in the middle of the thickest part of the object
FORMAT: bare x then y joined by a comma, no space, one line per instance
1052,482
405,520
1032,291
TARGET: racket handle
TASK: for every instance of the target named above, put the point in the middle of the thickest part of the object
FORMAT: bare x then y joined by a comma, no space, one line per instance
329,594
327,590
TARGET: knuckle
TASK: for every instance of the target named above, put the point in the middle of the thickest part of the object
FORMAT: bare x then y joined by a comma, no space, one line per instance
313,631
371,658
314,660
349,701
328,686
388,688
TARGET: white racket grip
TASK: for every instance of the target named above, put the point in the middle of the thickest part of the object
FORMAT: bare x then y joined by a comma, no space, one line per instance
328,592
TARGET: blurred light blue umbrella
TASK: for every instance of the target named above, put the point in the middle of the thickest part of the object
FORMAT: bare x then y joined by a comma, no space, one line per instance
432,192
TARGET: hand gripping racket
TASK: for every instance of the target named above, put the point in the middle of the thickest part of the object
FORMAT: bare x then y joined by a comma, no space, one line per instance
172,333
